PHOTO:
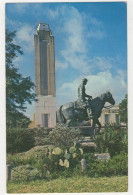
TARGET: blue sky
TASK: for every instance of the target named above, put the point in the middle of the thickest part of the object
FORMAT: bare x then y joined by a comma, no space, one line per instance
90,41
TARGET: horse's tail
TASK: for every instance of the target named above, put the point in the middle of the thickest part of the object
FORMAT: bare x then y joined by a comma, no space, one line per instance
59,116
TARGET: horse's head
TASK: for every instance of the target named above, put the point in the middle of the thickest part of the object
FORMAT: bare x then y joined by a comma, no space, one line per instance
109,98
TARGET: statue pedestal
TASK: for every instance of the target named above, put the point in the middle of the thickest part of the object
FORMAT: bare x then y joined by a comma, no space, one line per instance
85,130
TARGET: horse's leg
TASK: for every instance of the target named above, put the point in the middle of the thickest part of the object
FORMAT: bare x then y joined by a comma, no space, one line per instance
92,128
99,125
68,122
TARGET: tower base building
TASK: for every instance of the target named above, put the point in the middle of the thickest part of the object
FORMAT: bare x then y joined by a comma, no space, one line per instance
46,111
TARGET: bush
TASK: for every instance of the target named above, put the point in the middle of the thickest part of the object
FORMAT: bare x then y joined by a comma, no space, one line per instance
114,139
23,139
49,160
31,157
49,166
25,173
118,165
34,157
40,135
62,136
19,140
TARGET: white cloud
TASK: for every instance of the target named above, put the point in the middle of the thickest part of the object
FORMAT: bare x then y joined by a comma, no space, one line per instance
77,29
67,92
53,13
76,35
15,24
122,73
75,50
97,84
93,21
75,41
24,34
59,64
98,34
78,61
25,37
21,7
102,63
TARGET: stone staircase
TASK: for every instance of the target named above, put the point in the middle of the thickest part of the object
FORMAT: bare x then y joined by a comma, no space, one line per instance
88,145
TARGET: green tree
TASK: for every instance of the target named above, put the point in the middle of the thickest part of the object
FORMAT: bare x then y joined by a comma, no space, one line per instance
123,110
19,89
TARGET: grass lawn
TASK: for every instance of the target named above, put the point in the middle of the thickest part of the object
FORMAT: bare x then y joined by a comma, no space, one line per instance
71,185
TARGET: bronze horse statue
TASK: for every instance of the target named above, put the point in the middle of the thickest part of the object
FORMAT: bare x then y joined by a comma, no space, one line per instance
68,113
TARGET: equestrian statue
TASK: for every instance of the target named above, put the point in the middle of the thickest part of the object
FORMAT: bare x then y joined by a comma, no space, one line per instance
84,109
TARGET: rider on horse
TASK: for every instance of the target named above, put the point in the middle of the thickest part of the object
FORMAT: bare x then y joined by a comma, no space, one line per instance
82,101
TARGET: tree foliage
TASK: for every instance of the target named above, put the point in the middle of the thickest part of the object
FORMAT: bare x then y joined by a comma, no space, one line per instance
123,110
19,89
19,140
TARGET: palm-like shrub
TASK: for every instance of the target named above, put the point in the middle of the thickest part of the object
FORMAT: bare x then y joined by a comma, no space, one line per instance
114,139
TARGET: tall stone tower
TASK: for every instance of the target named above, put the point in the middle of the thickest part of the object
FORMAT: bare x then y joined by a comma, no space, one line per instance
45,76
